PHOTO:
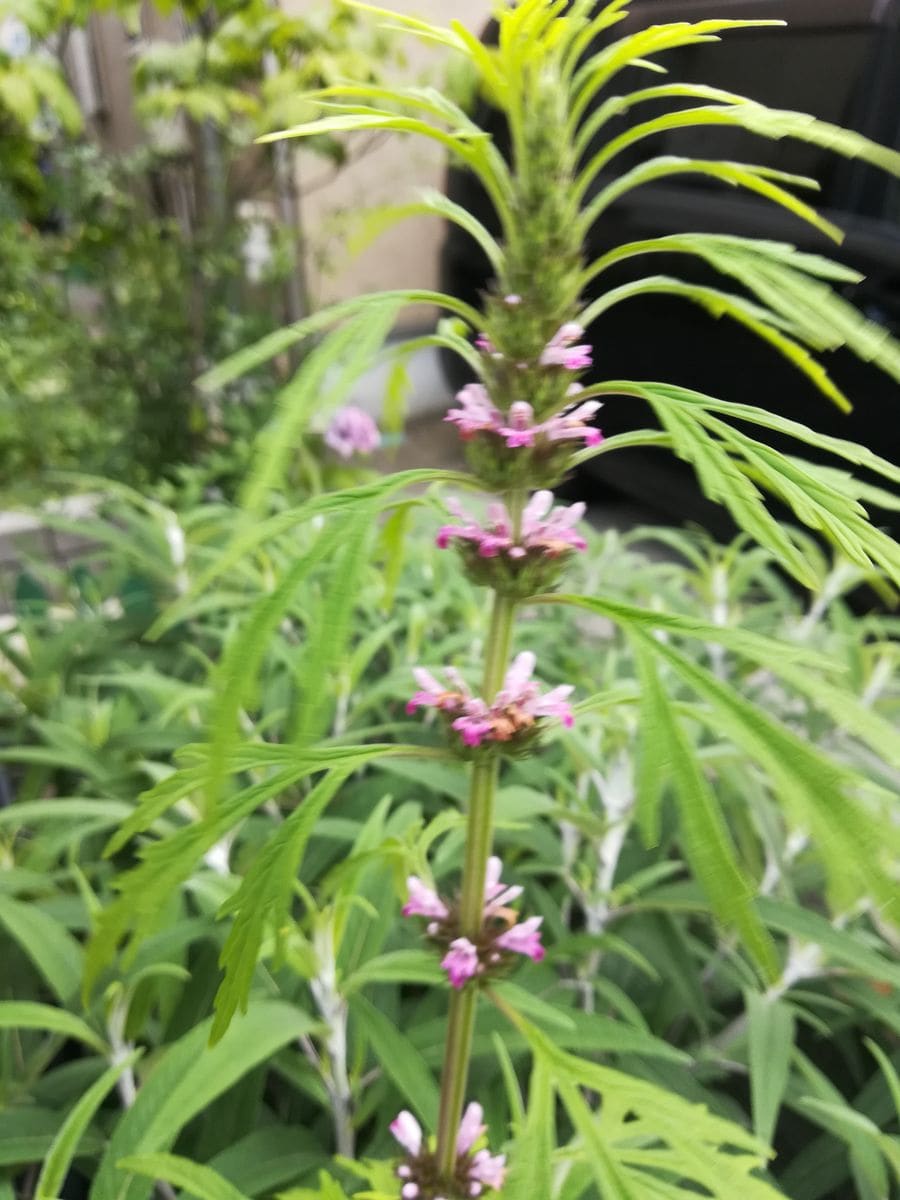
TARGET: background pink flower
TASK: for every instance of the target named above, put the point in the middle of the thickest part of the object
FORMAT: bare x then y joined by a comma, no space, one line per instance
352,431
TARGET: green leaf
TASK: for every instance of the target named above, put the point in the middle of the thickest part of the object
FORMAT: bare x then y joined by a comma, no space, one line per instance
252,535
65,1144
76,809
264,897
535,1007
399,1059
851,840
702,832
841,945
608,1174
26,1014
770,1025
52,949
397,966
324,379
531,1158
192,1178
760,321
603,66
761,180
186,1079
330,634
276,343
756,118
888,1070
434,204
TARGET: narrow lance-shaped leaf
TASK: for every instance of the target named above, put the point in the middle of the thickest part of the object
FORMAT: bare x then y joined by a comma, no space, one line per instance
65,1144
770,1026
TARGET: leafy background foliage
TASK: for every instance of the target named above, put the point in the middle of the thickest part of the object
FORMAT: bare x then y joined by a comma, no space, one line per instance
639,975
713,847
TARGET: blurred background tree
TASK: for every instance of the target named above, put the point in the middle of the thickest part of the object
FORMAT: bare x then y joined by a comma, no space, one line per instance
143,235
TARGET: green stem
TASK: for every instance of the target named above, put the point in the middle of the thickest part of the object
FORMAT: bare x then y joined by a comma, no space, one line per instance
479,838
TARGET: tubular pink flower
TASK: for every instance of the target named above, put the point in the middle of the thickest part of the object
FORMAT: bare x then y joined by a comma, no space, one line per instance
487,1169
573,424
523,938
553,704
434,695
352,431
461,962
423,902
561,352
408,1132
496,893
475,412
520,429
470,1128
474,728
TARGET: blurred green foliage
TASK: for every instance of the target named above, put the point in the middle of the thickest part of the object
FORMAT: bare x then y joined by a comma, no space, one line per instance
123,276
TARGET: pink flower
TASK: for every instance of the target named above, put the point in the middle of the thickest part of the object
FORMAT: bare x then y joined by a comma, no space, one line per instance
560,351
475,412
554,704
523,938
408,1132
433,695
496,893
513,711
545,530
352,431
470,1128
512,300
423,902
573,424
488,1170
520,430
475,727
481,1170
461,962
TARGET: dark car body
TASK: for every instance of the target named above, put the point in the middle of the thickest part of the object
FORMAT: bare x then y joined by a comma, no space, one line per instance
839,60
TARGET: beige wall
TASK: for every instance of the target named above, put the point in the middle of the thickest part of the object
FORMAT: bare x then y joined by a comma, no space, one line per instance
385,171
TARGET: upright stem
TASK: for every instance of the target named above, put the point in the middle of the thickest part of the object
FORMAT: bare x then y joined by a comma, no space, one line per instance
479,837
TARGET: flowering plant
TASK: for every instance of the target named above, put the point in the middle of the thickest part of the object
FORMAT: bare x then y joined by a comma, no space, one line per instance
525,423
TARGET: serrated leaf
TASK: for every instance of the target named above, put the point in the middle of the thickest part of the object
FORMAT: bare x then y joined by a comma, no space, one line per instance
702,832
264,899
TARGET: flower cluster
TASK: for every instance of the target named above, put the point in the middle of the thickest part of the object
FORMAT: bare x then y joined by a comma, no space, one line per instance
519,562
474,1170
352,431
502,934
560,351
511,719
518,428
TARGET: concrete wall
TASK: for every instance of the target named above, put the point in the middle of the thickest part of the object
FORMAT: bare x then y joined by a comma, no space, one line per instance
385,171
